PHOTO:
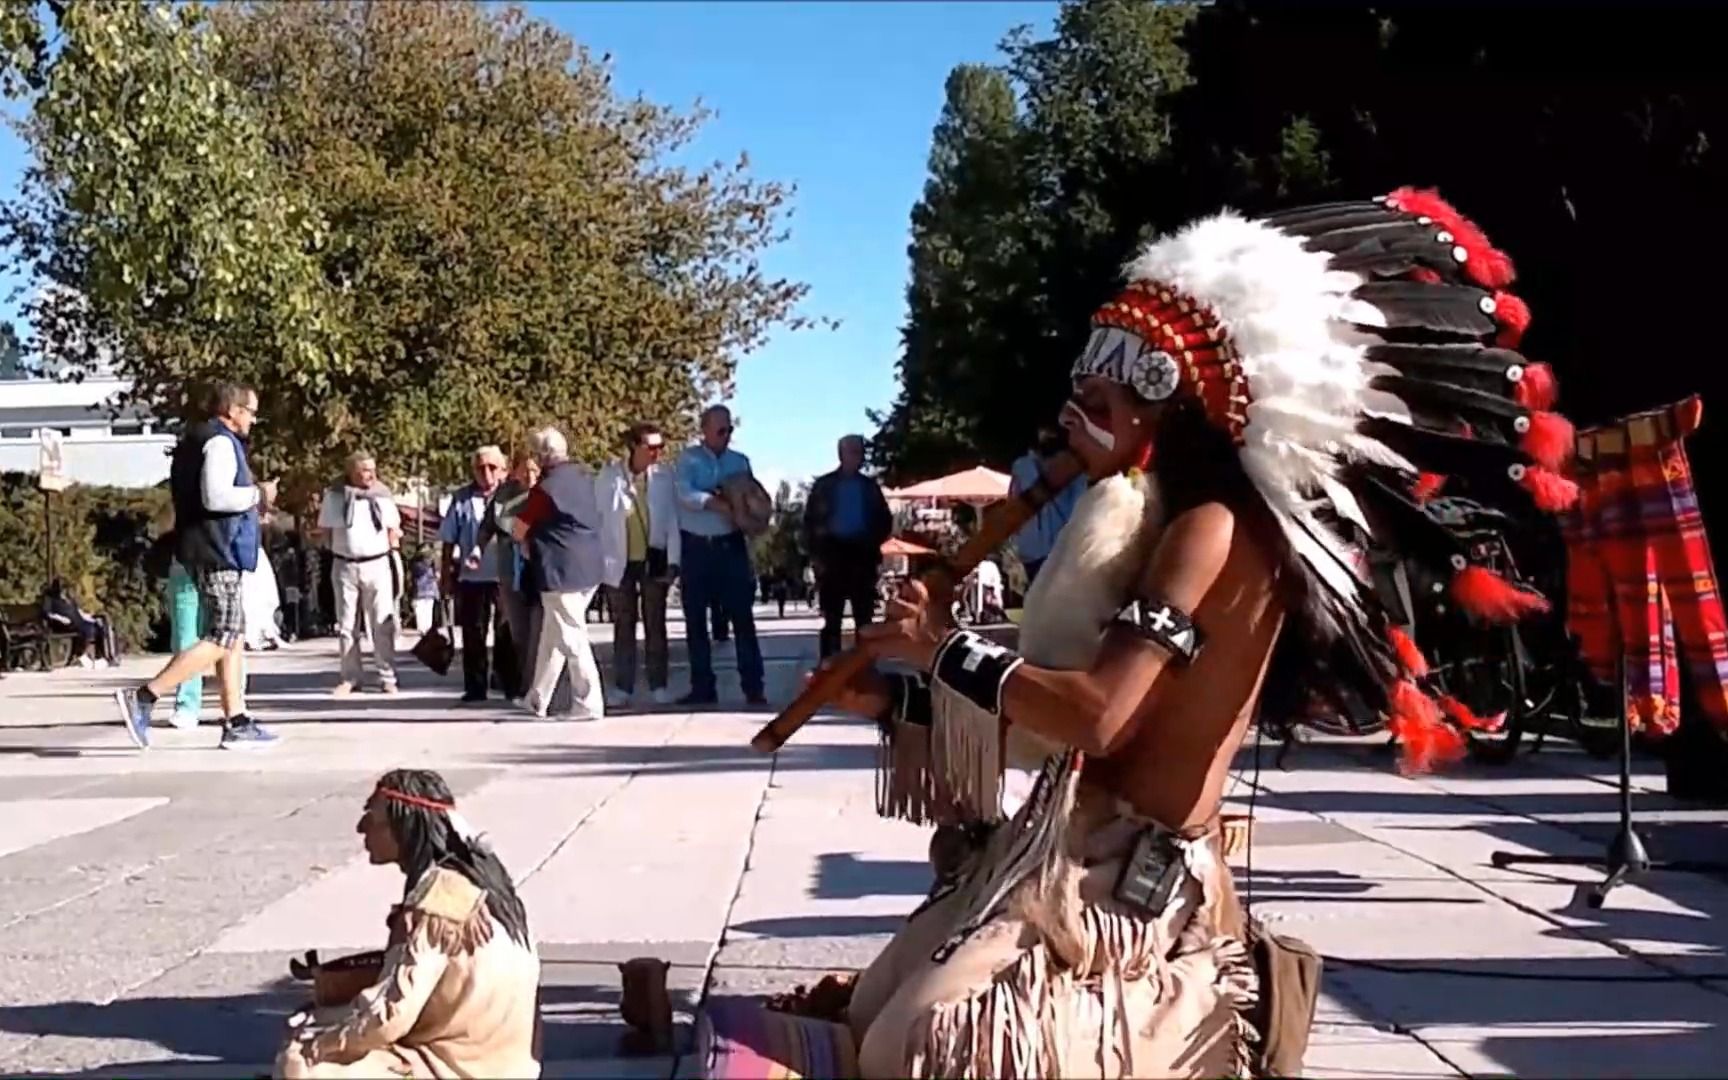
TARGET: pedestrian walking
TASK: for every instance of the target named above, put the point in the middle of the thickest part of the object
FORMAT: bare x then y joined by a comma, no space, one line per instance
560,524
216,504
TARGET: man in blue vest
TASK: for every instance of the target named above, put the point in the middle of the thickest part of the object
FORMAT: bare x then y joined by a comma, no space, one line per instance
216,506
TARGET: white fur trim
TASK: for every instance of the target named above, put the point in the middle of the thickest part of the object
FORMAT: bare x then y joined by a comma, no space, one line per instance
1084,584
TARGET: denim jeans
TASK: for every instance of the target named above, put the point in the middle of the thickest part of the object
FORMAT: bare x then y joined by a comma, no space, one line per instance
716,573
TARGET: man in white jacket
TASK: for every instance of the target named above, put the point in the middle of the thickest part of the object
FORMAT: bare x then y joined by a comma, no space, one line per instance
639,542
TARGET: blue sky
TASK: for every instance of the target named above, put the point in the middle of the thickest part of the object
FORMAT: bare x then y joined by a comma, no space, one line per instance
838,99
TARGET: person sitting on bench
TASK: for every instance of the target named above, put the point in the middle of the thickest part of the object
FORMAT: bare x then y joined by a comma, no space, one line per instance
95,639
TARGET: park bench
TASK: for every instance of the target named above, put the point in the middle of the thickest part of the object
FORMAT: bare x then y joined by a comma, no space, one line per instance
28,640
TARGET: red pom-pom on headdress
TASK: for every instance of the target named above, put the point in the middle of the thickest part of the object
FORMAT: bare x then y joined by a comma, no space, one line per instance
1537,389
1550,491
1410,656
1492,598
1427,486
1550,439
1513,315
1467,718
1484,264
1424,739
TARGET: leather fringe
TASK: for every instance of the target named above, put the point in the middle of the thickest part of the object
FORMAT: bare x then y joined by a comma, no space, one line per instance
966,752
450,936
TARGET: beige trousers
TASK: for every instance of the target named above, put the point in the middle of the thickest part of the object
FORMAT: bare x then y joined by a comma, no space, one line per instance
366,589
564,639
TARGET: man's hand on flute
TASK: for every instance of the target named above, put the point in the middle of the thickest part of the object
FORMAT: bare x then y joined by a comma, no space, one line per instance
910,634
911,629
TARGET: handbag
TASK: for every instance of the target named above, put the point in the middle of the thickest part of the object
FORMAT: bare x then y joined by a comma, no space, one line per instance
1283,1014
437,646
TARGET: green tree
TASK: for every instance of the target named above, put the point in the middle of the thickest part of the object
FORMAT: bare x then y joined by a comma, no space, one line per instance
1039,177
781,548
165,242
512,243
415,226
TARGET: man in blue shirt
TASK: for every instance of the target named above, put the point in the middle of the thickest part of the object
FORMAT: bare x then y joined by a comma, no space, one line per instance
716,560
846,520
470,574
1037,538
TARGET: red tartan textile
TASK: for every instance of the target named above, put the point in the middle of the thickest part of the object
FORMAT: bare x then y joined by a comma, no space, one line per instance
1641,581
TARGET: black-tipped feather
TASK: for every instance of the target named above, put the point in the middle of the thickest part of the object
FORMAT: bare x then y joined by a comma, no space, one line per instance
1474,366
1474,406
1303,213
1382,262
1316,224
1446,309
1384,234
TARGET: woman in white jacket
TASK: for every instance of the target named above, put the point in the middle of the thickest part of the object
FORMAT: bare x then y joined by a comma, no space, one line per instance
639,544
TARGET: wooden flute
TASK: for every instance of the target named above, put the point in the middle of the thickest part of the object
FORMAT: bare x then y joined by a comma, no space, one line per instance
999,524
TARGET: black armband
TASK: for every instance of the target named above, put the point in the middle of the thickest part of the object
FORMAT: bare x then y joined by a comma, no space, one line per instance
1165,625
975,667
908,699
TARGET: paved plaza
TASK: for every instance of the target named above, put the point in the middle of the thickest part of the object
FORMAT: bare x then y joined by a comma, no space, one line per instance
149,902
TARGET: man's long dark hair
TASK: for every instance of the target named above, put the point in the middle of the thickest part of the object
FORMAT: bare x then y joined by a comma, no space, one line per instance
426,841
1196,462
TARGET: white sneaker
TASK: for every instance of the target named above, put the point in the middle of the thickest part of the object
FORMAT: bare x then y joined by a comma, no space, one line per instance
665,696
617,698
184,721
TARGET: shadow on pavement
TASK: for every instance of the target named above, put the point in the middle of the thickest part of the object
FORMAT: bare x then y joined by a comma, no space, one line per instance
592,760
243,1028
1575,1016
844,876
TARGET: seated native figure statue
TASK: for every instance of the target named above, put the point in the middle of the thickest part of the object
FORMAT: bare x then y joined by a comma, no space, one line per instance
456,993
1262,408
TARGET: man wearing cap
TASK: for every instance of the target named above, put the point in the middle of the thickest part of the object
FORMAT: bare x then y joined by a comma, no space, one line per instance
638,498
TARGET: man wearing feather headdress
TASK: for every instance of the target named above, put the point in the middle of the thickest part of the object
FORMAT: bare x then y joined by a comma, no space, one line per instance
1265,407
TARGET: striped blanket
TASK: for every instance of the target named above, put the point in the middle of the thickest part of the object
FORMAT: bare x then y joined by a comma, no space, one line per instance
737,1039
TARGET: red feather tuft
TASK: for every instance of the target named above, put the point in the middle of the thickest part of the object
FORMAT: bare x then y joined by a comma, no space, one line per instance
1492,598
1410,657
1427,486
1538,389
1513,315
1487,265
1425,275
1550,440
1462,715
1551,491
1424,740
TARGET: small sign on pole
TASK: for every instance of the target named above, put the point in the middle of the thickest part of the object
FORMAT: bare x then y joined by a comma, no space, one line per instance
51,467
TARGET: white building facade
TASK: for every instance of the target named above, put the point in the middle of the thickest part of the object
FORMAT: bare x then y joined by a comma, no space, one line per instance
99,447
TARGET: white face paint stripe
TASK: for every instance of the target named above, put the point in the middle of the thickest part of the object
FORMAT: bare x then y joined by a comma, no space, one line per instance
1093,431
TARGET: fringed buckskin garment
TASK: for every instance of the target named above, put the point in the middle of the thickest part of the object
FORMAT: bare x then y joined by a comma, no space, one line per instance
1059,978
1042,972
457,998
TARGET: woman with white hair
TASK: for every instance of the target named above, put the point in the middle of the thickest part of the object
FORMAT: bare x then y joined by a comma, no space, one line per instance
559,523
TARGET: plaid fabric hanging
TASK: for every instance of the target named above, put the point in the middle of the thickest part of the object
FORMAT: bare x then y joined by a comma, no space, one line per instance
1641,581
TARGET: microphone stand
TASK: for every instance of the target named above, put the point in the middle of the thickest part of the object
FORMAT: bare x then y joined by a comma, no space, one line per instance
1626,858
